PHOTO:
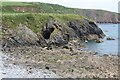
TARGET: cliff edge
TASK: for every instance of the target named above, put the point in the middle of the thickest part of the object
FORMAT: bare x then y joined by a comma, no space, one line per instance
47,29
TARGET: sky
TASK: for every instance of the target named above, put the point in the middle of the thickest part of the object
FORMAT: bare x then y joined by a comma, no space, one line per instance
110,5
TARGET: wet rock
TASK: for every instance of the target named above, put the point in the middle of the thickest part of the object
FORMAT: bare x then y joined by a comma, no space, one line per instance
96,53
99,41
105,55
106,30
110,38
3,72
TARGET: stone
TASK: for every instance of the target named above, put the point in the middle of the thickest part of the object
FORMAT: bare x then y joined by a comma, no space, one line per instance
42,42
66,47
110,38
47,68
22,36
3,73
99,41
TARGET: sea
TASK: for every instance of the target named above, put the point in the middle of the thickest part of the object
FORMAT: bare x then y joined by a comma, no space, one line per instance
108,46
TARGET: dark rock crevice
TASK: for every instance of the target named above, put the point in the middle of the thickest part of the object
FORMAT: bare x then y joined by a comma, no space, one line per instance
46,33
48,29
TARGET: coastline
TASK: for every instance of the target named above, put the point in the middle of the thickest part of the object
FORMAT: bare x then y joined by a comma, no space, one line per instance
58,53
42,40
63,62
108,22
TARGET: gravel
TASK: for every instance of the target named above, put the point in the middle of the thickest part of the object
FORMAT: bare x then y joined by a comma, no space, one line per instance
14,71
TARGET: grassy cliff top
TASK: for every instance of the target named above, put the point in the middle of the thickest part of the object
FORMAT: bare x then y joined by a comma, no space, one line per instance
36,21
35,7
16,4
12,15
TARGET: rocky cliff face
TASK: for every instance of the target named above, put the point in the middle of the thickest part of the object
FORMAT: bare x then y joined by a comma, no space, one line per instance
53,33
21,36
82,30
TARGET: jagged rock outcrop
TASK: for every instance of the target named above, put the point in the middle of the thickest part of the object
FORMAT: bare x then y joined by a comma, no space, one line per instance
55,34
59,35
110,38
87,30
21,36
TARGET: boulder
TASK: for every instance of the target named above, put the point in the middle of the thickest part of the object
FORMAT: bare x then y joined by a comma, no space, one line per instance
60,40
99,41
110,38
22,36
86,30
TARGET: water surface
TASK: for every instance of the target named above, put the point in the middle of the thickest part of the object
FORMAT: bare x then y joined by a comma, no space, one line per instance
108,46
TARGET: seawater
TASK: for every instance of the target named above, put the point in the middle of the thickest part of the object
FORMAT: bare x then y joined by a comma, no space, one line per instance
108,46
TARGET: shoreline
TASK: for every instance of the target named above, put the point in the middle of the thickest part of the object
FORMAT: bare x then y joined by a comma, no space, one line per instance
108,22
65,63
9,69
35,37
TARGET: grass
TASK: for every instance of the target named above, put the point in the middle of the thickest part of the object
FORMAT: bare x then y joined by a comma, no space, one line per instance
37,7
35,21
16,4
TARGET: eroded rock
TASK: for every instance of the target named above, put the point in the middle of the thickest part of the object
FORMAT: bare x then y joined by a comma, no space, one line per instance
99,41
22,36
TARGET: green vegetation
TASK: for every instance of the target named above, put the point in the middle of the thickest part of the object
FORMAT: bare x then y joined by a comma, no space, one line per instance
34,7
16,4
35,21
12,17
35,15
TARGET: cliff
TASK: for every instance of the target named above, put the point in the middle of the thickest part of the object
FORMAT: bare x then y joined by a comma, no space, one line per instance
47,29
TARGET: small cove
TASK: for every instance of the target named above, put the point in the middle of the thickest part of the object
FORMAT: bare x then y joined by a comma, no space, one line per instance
108,46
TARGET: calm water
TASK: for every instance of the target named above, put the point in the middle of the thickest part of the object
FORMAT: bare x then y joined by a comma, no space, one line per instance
108,46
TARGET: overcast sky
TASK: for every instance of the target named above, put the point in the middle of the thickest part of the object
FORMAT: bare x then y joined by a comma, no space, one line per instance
110,5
